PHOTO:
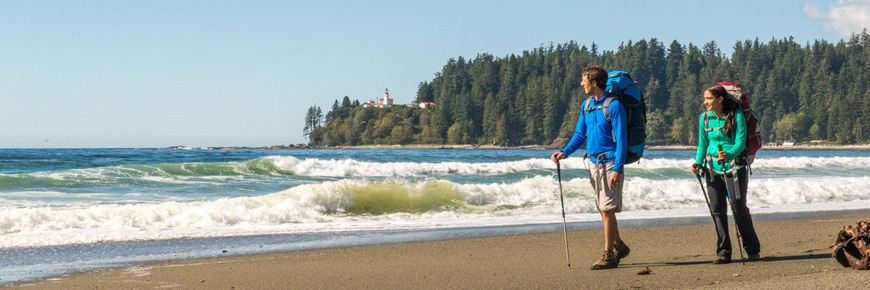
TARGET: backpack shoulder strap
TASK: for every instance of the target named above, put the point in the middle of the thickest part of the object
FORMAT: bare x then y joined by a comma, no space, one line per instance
707,123
588,106
602,107
585,107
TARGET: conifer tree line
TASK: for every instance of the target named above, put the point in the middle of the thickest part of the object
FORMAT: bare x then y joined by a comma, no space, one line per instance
815,91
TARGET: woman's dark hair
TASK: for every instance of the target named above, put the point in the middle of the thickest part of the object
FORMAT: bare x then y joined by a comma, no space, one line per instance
729,107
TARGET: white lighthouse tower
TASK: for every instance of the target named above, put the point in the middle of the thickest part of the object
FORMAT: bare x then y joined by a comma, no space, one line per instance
386,100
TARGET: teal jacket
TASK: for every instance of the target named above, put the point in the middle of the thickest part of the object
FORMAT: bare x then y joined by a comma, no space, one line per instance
708,142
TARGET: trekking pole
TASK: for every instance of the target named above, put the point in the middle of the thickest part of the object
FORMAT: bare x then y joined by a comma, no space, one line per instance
564,224
733,210
705,195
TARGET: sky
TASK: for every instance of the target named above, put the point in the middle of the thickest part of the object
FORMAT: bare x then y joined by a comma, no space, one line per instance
153,74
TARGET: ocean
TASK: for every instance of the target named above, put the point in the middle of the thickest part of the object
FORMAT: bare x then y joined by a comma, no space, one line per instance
70,210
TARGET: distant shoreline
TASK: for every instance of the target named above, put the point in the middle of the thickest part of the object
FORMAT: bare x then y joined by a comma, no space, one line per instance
494,147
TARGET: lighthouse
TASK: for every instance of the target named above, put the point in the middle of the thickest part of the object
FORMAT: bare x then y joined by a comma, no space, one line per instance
386,100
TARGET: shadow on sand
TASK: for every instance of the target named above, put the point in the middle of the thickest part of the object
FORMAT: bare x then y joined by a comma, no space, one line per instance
735,261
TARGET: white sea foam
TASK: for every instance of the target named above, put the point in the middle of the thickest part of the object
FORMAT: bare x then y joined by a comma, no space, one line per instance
195,173
323,207
348,168
764,162
811,162
273,165
354,168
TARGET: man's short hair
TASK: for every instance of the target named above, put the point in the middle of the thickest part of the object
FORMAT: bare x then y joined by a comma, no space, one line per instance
596,74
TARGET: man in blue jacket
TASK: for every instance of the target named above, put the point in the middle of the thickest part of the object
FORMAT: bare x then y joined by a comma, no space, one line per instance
606,144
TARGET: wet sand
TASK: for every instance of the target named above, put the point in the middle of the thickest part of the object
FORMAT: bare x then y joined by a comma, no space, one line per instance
796,252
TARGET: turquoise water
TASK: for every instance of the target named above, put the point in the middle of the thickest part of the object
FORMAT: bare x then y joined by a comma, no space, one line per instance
197,203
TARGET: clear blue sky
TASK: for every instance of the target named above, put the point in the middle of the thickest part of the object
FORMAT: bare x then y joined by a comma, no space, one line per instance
243,73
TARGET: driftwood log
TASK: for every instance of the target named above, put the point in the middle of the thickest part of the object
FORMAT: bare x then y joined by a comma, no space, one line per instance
852,248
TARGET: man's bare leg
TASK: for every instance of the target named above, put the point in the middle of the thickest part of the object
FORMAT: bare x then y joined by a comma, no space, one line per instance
611,229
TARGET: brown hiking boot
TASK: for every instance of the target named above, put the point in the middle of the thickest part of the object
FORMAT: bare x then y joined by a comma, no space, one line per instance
621,249
608,260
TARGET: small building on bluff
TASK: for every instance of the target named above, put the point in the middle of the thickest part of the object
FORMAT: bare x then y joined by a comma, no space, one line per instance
387,101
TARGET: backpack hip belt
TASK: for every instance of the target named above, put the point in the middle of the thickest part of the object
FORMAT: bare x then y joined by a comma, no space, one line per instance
709,159
600,156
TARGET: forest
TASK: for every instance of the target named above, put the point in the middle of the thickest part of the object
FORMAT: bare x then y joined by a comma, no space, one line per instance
817,91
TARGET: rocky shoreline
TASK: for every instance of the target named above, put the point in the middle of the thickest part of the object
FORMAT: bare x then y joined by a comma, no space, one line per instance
292,146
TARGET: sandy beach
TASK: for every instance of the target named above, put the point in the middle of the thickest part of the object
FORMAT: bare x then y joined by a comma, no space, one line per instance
796,252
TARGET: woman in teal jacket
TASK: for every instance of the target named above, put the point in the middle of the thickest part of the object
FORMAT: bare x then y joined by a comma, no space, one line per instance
721,140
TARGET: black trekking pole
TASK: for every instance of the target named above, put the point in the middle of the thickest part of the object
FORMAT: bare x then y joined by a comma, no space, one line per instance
564,224
733,210
705,193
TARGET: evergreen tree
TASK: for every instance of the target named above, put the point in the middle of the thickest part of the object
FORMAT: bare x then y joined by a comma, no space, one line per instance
312,120
817,91
424,93
330,117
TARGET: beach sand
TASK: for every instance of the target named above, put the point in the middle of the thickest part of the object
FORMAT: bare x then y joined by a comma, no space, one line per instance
796,252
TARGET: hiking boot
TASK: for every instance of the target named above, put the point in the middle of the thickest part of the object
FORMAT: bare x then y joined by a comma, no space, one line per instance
621,249
754,257
608,260
722,260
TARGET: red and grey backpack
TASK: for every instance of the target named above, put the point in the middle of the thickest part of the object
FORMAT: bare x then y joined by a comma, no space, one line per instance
753,132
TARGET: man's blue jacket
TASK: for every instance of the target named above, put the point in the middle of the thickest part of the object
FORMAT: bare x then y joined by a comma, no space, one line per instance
593,127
